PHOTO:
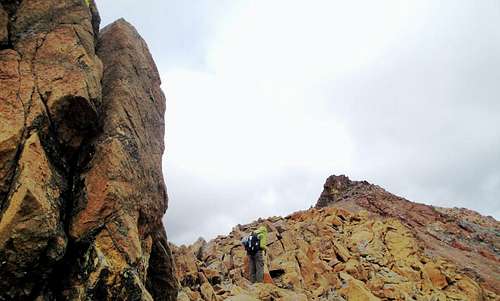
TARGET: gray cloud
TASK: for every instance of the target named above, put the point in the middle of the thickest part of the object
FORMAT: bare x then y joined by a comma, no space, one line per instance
202,208
425,118
176,31
263,103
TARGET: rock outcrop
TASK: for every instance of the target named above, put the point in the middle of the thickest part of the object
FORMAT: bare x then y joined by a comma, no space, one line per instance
351,253
81,139
460,235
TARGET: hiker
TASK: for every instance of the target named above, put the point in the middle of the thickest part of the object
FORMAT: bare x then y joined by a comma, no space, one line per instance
255,245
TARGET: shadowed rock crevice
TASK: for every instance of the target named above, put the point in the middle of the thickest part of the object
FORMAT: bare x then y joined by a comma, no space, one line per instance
75,119
8,10
161,281
276,273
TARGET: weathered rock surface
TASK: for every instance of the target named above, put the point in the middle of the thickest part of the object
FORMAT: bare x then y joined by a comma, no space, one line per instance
81,188
331,253
463,236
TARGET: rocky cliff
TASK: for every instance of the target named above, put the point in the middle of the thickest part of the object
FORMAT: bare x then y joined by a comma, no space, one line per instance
359,243
81,139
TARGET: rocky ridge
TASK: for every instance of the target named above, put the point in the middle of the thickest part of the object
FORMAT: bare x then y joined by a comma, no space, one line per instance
81,139
460,235
359,243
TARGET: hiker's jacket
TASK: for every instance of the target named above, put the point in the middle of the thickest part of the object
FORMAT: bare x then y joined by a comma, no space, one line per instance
262,235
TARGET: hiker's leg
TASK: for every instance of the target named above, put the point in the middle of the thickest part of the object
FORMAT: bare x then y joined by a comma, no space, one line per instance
259,266
251,268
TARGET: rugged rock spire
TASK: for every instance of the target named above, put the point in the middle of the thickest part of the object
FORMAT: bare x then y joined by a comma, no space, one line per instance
459,235
81,188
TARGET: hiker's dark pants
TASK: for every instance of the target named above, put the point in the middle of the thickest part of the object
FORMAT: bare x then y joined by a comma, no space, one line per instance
256,266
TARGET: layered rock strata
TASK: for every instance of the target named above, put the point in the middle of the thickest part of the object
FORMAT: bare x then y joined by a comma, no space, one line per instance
81,187
333,253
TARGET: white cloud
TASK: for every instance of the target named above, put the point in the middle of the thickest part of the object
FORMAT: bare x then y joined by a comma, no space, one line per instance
265,99
221,126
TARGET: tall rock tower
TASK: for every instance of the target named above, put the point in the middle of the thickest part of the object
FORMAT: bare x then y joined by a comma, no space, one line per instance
81,138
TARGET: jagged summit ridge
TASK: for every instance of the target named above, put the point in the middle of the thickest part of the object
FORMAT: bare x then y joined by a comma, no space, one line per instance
458,234
337,188
361,243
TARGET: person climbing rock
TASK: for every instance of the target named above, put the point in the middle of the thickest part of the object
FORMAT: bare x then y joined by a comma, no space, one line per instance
255,245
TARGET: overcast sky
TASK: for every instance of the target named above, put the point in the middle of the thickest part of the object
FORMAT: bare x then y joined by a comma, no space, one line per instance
266,99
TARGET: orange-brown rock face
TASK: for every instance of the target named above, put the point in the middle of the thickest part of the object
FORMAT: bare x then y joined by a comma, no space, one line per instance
332,253
81,188
463,236
122,196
